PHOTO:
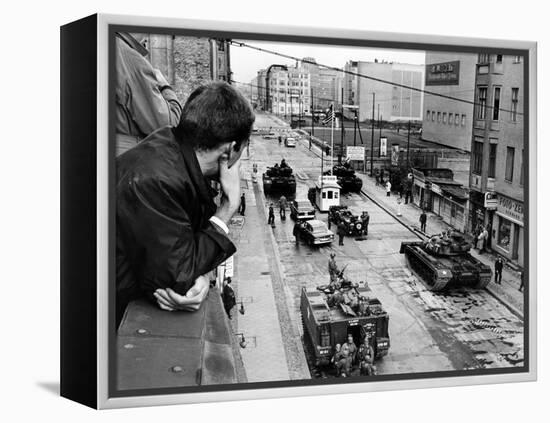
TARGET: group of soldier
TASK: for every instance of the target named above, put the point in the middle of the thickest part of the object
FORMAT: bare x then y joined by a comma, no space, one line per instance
348,357
342,291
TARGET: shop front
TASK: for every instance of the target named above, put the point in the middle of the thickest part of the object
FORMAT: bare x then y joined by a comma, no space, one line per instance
421,191
508,238
450,202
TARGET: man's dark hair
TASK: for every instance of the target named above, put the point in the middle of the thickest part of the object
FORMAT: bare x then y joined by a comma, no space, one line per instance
214,114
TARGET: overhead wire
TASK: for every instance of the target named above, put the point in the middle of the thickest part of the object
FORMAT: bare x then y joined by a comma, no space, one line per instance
372,78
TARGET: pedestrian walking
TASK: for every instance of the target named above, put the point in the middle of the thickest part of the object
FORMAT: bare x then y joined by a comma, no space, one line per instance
377,176
296,233
388,188
280,140
282,207
310,143
341,232
399,201
228,297
242,207
423,219
482,240
498,270
271,216
521,281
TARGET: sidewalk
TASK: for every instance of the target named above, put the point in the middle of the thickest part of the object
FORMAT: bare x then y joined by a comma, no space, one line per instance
272,352
507,292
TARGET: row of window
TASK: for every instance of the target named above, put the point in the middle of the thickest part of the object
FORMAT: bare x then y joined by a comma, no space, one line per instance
477,164
446,119
481,112
290,83
484,58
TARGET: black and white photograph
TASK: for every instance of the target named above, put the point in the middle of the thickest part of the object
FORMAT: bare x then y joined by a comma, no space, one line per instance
292,212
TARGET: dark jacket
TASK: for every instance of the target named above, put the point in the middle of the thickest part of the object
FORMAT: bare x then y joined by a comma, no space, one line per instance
143,104
498,265
163,234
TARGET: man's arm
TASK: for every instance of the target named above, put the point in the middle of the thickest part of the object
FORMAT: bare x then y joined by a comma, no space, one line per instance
172,253
152,103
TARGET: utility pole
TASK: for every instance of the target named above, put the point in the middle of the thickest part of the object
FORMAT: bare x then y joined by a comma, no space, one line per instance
372,136
355,124
311,98
341,130
408,144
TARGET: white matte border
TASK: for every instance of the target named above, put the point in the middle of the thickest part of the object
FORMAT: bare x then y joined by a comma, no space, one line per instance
103,400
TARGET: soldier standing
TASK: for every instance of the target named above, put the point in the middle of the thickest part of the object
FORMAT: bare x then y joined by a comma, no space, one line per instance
333,270
498,270
341,232
296,233
365,218
423,219
271,216
352,348
366,358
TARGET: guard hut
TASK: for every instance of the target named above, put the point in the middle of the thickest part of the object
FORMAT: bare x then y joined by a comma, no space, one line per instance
327,192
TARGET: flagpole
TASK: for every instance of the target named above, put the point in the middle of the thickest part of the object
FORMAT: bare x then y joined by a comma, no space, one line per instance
332,138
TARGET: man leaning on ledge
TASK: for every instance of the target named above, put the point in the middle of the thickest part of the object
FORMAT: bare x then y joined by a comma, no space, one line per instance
169,232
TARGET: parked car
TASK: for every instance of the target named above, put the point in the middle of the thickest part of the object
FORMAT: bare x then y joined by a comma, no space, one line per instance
290,142
315,232
301,210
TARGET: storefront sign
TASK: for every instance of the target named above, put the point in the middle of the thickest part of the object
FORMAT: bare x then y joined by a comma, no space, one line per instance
508,207
395,154
228,267
355,153
491,200
383,147
445,73
436,188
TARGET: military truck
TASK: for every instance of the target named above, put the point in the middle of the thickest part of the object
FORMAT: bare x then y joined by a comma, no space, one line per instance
279,179
444,261
327,323
355,225
346,178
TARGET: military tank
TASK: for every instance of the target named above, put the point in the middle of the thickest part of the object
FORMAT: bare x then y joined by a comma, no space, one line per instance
279,179
444,261
346,178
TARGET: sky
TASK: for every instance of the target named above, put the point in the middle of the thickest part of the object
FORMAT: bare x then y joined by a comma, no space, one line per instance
245,62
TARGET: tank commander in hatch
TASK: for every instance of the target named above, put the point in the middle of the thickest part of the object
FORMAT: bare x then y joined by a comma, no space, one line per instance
169,232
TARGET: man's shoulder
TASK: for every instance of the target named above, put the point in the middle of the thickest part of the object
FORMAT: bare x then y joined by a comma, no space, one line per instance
154,161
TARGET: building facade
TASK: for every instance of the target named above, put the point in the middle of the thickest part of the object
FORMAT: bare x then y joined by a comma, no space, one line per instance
187,62
391,102
497,170
285,90
447,121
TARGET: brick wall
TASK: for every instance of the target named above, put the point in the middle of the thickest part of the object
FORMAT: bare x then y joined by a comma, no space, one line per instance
192,64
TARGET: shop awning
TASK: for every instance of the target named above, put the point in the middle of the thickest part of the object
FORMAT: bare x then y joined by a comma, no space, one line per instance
457,192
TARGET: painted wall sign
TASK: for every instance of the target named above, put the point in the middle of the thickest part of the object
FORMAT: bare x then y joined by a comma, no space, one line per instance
446,73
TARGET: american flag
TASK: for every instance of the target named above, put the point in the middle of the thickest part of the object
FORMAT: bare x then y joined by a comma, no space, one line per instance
330,116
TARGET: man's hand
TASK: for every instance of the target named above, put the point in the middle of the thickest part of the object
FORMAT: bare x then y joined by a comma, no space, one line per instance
168,299
230,180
